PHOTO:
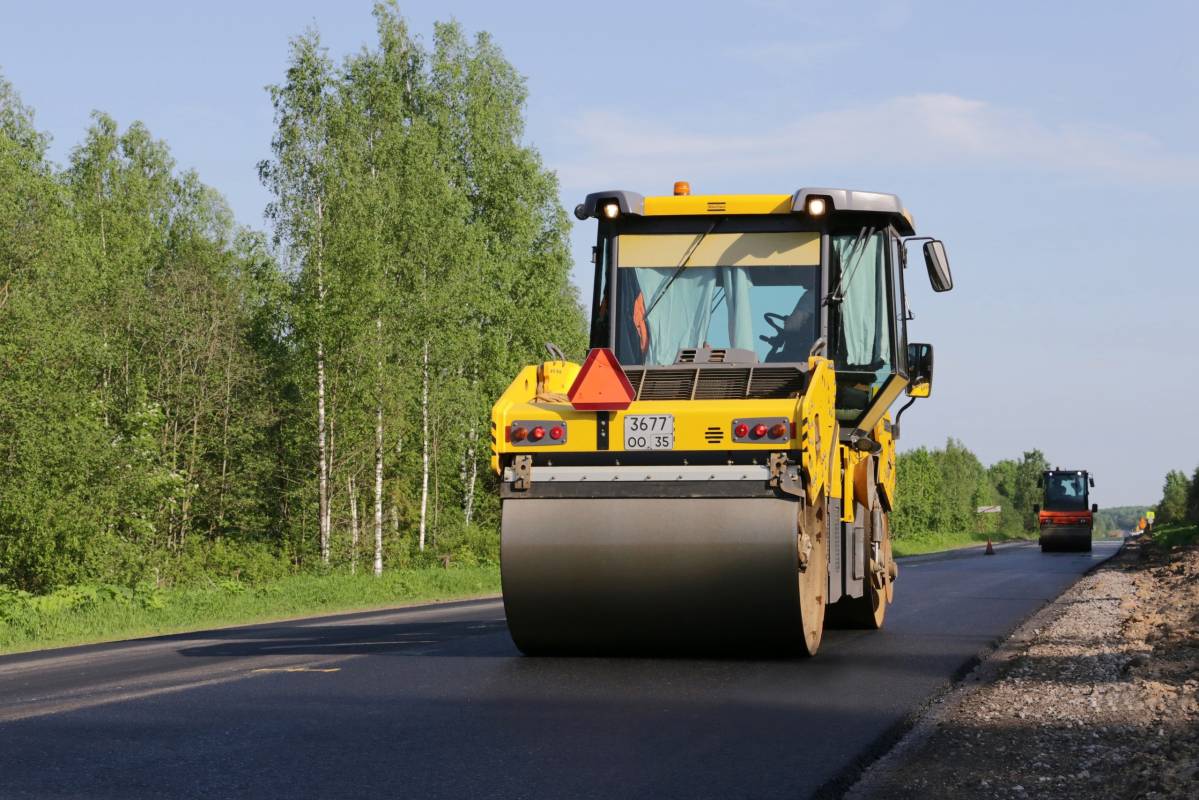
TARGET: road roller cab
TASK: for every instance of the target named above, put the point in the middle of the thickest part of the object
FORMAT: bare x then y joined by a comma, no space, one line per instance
1066,516
718,471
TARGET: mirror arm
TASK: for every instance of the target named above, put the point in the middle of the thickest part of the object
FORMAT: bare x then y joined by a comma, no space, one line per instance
898,414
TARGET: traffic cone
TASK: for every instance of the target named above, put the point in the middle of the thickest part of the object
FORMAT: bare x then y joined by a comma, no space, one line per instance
990,551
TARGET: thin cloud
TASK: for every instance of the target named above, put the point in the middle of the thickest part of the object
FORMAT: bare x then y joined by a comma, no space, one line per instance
926,130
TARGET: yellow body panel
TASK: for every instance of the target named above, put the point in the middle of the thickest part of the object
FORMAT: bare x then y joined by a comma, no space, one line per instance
556,377
886,461
817,425
521,390
680,205
882,401
849,459
781,249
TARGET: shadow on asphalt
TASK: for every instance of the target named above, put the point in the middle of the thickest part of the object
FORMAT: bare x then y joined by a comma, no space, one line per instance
917,655
332,640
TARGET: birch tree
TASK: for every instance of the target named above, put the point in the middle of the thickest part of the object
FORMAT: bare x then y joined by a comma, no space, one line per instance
297,176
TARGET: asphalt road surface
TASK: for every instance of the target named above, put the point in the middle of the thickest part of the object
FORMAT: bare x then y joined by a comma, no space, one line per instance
435,702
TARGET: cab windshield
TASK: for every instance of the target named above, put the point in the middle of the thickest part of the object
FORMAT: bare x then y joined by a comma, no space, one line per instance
1066,491
749,291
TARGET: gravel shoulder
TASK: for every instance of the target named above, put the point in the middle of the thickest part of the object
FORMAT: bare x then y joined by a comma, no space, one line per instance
1095,697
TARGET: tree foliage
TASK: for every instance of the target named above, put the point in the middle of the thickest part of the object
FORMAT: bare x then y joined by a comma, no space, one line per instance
1173,505
940,491
132,402
1192,509
158,364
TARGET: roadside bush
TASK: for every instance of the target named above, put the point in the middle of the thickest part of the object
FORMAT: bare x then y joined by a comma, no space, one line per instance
223,560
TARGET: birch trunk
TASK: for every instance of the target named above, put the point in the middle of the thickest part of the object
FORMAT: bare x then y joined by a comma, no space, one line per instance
323,488
379,453
424,415
472,466
353,525
436,490
321,441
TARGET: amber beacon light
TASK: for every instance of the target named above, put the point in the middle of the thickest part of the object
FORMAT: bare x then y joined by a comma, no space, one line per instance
681,188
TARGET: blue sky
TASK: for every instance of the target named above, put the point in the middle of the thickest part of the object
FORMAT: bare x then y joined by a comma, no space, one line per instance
1051,145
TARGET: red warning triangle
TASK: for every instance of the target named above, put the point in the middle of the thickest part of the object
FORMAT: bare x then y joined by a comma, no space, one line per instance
601,384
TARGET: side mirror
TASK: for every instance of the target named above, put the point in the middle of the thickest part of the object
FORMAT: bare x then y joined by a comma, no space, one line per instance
1092,480
920,369
938,266
1036,508
1094,508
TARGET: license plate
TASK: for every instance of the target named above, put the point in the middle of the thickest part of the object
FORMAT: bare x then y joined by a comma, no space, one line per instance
649,432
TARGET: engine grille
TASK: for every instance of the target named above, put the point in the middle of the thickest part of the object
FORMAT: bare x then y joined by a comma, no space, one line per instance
715,383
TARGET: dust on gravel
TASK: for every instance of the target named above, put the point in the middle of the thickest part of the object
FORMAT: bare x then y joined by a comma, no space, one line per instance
1101,703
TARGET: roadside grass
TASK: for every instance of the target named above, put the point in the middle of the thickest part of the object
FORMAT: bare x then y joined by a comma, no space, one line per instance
920,543
88,614
1176,534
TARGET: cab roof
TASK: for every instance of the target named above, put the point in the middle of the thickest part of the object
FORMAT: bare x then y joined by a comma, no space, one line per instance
840,200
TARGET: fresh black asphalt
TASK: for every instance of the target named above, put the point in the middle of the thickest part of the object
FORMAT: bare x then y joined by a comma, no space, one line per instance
435,702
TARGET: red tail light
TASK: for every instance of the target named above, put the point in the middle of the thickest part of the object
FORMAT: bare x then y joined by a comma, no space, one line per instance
538,433
759,431
741,431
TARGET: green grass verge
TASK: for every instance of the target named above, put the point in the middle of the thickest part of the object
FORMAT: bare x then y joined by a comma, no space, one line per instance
81,615
1168,536
921,543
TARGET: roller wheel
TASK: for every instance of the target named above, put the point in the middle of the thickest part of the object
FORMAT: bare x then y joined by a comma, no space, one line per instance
870,610
813,574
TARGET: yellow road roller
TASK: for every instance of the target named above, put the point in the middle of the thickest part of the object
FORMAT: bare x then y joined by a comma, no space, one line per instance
717,474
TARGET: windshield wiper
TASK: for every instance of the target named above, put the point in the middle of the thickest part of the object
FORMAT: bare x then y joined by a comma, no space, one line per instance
719,299
853,260
679,269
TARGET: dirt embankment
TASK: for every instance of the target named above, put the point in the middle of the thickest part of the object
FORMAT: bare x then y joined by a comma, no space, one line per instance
1101,702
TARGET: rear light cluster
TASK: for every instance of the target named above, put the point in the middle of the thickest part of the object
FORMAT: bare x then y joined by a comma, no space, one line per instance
1064,520
534,432
764,430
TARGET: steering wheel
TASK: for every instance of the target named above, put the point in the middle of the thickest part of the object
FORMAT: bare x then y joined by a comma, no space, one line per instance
776,342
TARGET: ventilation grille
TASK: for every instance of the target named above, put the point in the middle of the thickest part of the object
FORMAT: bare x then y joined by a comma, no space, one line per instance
716,207
715,383
667,384
714,435
775,382
718,384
